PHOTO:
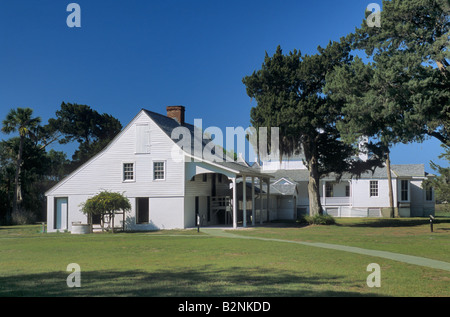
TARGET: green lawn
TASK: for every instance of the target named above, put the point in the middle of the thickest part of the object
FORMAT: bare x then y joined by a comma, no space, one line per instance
187,263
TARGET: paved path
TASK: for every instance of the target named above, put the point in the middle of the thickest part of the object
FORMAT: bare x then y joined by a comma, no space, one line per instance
416,260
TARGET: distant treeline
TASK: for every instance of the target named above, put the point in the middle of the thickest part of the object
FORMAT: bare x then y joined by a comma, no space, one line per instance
28,168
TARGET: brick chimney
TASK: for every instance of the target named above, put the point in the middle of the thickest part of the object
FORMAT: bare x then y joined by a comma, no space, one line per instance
176,112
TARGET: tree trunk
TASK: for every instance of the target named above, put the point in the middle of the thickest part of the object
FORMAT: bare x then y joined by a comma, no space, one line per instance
102,223
17,199
112,222
393,213
315,207
442,65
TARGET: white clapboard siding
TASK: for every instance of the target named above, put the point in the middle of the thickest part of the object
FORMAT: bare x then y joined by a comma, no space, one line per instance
105,171
361,193
197,187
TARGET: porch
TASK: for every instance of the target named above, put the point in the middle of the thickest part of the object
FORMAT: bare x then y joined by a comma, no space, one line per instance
337,194
225,194
335,201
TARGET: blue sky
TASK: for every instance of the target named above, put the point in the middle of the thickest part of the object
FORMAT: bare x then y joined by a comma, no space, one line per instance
150,54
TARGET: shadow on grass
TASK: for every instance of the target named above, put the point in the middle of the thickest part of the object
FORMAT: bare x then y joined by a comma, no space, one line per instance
389,222
205,281
282,224
364,222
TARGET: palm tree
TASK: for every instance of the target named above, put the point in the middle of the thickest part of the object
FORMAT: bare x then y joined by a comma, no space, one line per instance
19,120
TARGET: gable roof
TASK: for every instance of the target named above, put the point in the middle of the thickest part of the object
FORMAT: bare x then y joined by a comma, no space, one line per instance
398,170
284,181
167,125
284,189
197,137
298,175
243,169
409,170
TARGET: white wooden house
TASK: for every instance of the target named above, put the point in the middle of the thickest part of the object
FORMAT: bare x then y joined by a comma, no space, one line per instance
166,191
365,196
169,191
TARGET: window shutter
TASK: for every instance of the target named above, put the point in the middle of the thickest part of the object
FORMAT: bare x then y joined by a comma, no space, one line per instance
142,139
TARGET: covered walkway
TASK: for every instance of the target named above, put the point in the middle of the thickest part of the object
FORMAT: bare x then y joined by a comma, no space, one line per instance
237,173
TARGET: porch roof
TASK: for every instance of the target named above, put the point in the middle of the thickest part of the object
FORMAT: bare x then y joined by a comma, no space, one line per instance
298,175
242,169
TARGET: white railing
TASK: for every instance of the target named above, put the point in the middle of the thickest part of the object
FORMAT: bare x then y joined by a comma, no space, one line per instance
335,201
221,203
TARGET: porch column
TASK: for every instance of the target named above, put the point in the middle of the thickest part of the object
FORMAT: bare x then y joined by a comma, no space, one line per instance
324,193
350,192
234,203
268,199
260,201
253,201
244,201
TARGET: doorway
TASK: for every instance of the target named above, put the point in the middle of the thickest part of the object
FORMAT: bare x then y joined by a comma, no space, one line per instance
60,215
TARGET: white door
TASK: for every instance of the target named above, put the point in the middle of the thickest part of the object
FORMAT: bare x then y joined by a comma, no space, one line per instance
61,213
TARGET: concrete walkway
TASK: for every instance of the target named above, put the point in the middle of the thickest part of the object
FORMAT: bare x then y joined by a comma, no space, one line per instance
415,260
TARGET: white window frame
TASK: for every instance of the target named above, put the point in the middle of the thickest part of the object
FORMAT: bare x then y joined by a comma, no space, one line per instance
374,182
429,189
164,170
133,171
329,189
403,190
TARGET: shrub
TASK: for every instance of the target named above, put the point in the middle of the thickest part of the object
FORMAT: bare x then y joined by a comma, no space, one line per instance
23,217
105,203
320,220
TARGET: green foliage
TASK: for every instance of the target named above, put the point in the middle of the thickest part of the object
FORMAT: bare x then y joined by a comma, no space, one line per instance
154,264
39,171
409,79
401,96
318,220
105,203
27,170
20,120
441,183
23,217
80,123
289,93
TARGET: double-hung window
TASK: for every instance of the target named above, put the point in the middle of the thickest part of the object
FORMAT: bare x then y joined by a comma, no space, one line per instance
328,189
404,189
429,193
347,190
159,170
373,188
128,172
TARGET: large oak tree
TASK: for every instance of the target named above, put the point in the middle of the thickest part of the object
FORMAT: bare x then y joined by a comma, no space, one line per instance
84,125
288,90
403,94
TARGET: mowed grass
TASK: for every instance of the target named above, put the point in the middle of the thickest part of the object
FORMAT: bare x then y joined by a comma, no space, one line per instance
187,263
